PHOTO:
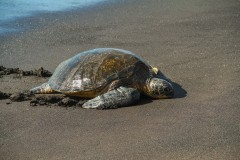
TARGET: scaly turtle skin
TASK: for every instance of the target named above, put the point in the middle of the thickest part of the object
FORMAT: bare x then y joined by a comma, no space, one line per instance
110,77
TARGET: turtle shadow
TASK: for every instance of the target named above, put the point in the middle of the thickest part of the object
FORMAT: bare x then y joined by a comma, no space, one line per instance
179,92
144,100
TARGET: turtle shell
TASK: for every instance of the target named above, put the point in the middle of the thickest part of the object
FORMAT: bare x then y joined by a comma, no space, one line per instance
96,69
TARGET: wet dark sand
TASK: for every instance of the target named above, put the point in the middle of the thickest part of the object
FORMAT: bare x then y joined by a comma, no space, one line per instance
195,43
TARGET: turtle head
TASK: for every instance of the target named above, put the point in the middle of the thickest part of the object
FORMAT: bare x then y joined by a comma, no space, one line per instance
159,88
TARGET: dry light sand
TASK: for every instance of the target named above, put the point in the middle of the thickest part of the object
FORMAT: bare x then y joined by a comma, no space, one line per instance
195,43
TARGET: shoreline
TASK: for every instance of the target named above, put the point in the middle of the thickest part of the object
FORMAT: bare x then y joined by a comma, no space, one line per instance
194,43
34,20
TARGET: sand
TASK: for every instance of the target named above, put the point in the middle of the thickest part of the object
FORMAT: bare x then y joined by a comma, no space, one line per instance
195,43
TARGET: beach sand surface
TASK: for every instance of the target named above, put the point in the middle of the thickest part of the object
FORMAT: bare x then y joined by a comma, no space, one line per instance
194,43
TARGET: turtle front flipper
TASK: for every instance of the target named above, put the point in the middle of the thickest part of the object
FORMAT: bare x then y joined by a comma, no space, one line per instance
116,98
42,89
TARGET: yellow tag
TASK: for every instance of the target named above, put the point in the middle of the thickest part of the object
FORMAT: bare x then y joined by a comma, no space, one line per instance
155,70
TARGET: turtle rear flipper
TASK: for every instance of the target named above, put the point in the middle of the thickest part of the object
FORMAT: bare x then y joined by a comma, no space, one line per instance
116,98
42,89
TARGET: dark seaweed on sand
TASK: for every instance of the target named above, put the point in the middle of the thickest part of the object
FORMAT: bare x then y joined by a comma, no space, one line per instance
4,95
41,72
43,100
57,100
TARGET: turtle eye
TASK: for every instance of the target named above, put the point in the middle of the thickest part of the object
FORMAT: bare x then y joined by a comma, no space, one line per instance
168,90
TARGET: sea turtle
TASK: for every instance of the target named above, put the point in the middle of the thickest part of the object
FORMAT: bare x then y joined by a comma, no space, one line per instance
110,77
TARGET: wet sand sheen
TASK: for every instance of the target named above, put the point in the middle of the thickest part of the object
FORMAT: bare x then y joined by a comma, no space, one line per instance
196,44
15,11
